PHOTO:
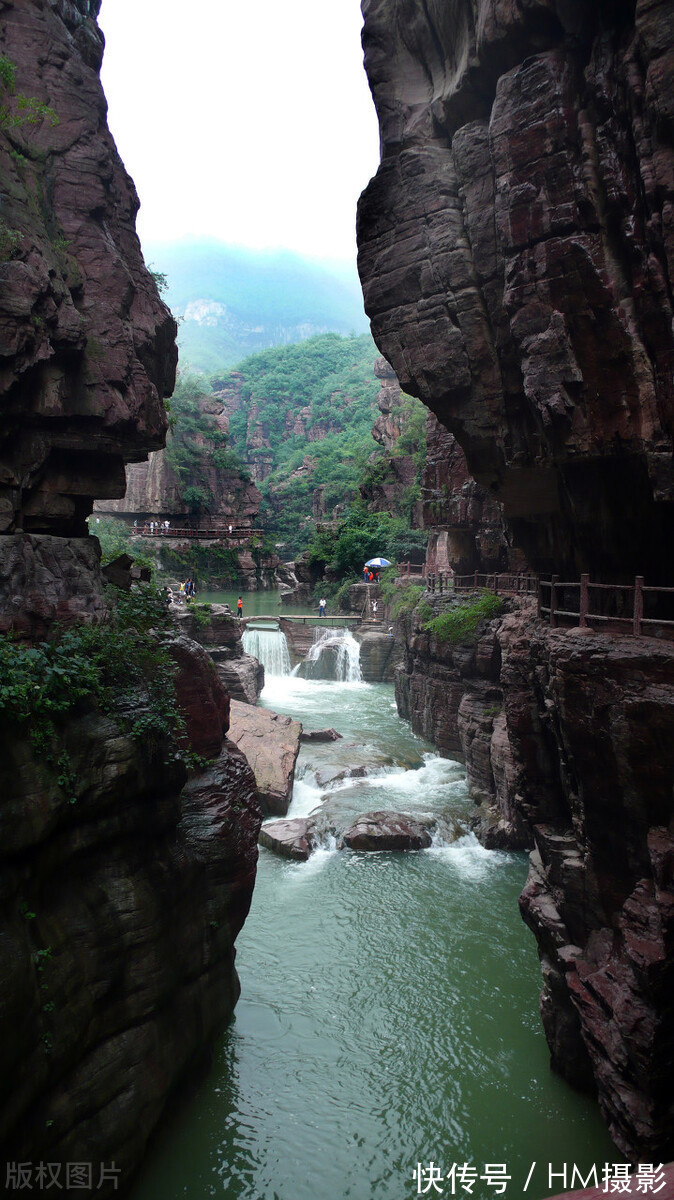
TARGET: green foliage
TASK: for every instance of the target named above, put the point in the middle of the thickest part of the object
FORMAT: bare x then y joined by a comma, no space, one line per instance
10,241
195,444
360,536
116,539
160,279
400,598
16,109
215,565
333,377
108,665
459,623
197,499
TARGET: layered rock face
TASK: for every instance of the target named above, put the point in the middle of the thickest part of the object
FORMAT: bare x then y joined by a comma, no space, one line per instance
87,348
569,747
121,894
468,531
516,252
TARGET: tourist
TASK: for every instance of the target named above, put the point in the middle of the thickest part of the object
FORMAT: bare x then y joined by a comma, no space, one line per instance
151,528
321,608
239,608
365,574
374,609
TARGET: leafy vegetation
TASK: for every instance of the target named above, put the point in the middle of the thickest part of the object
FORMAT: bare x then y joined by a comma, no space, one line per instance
195,443
459,623
16,109
400,599
327,446
104,664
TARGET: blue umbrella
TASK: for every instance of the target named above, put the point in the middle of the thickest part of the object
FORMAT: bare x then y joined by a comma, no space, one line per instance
378,562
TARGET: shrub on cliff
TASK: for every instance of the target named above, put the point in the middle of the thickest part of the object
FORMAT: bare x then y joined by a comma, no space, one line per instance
459,623
104,664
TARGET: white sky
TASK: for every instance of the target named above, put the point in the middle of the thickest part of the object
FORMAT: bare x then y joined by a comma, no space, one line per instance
248,122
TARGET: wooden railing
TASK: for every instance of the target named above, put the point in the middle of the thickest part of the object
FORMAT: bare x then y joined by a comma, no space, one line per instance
219,534
500,583
407,569
627,602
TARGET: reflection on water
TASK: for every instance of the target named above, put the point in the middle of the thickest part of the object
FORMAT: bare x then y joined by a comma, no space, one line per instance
389,1011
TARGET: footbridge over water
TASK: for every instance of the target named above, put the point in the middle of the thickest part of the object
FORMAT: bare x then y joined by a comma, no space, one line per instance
277,620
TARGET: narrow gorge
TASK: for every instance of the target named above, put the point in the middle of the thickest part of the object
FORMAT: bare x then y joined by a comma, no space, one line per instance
516,255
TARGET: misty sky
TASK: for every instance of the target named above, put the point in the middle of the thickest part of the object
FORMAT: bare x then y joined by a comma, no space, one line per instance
248,122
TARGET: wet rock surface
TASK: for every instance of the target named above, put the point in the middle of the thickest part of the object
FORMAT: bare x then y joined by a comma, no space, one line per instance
295,838
241,675
299,837
271,744
387,831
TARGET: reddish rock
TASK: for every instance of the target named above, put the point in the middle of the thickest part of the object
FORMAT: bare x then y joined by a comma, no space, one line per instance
87,348
294,839
569,743
271,743
516,250
387,831
203,700
135,893
47,580
320,735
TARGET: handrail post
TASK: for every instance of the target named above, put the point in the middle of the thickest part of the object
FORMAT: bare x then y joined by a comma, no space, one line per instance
553,600
638,605
495,584
475,581
584,600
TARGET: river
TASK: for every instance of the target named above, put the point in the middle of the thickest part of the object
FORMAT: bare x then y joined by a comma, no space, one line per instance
389,1008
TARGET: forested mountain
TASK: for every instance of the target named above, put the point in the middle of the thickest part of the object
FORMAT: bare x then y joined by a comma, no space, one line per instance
301,418
231,301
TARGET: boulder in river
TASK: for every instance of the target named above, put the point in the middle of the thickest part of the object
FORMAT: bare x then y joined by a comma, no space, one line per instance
330,775
320,735
271,744
388,831
293,839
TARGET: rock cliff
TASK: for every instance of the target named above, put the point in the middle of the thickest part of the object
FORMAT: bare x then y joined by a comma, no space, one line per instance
568,741
87,348
516,252
123,888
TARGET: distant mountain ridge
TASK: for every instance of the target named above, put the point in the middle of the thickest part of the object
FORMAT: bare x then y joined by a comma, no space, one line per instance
232,302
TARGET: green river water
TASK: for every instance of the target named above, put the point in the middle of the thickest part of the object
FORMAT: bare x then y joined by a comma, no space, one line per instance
389,1007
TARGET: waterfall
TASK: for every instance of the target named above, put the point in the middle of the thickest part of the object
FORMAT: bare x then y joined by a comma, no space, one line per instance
268,646
335,654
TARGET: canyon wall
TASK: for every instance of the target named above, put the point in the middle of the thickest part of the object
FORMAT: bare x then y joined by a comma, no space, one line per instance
516,253
87,348
568,740
122,890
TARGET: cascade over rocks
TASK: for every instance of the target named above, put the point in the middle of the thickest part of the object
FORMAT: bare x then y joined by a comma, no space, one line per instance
516,250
